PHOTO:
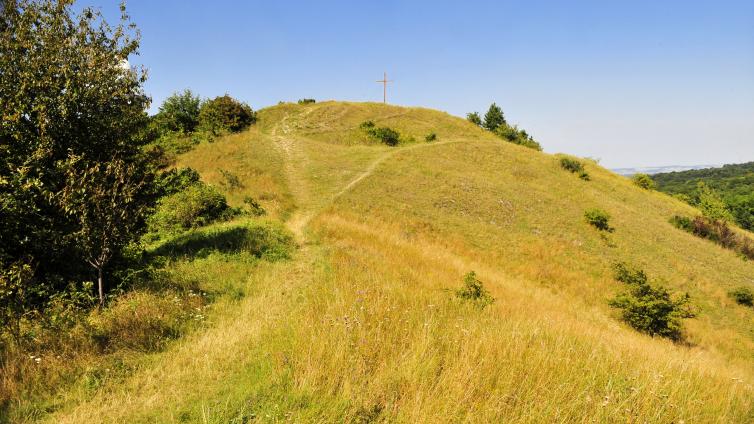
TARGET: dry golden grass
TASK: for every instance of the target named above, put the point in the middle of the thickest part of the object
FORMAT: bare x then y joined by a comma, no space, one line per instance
363,323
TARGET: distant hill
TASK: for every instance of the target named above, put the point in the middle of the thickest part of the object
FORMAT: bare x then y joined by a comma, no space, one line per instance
651,170
734,183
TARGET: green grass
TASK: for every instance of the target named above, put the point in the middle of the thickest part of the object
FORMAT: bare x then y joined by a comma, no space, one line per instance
363,322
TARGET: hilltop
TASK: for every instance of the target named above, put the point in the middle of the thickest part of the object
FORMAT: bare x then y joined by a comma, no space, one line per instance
362,322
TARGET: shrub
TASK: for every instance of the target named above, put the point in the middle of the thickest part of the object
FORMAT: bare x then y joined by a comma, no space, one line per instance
367,125
629,275
651,309
197,205
175,180
644,181
306,101
716,230
474,118
430,137
225,114
743,296
473,290
598,219
384,135
513,135
575,167
253,206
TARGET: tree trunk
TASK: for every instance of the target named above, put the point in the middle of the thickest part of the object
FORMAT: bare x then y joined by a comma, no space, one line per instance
101,287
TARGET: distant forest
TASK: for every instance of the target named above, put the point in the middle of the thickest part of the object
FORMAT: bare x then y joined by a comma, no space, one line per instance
733,183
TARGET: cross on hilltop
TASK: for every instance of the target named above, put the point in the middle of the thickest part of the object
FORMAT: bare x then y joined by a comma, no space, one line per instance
384,82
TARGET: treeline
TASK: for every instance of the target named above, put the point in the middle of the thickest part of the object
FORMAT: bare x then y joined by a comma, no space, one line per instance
732,184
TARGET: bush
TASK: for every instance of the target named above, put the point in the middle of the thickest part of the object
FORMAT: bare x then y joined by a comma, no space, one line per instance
629,275
306,101
716,230
644,181
516,136
225,114
473,290
474,118
384,135
598,219
197,205
652,310
743,296
175,180
575,167
430,137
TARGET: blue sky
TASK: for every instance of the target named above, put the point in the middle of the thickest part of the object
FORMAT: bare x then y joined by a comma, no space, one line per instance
632,82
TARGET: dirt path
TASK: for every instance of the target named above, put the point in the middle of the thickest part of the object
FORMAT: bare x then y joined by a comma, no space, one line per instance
295,169
372,166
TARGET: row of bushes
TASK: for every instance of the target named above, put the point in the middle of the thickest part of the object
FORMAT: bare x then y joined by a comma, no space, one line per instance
494,121
716,230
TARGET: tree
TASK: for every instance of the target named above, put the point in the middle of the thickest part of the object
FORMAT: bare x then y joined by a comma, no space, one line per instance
225,114
711,204
71,108
474,118
108,201
179,112
493,118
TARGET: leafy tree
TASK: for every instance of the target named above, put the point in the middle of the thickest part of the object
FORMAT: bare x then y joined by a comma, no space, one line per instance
711,204
225,114
108,201
474,118
69,105
493,118
179,112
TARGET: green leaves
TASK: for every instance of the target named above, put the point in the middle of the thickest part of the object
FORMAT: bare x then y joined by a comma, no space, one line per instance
72,120
649,307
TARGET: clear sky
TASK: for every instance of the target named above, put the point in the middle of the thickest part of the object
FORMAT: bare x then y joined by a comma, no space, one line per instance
631,82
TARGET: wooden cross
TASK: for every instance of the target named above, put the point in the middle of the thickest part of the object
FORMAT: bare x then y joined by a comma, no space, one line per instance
384,82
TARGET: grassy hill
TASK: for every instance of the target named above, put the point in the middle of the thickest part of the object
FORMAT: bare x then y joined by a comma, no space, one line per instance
362,323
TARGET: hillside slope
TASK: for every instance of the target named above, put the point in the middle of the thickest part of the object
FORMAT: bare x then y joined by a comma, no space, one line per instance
363,324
